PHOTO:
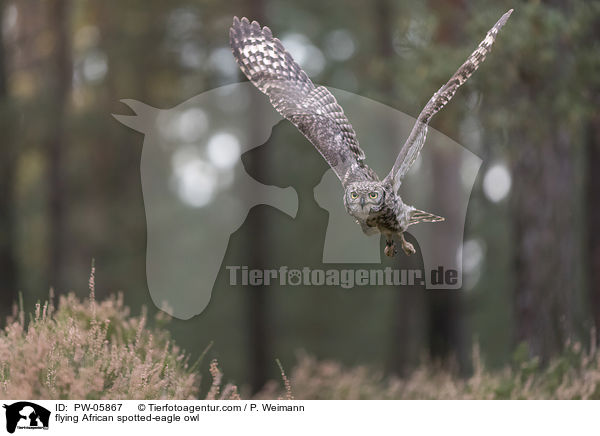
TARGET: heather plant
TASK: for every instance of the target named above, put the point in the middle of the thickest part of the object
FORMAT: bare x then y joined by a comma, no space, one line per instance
95,350
99,350
573,375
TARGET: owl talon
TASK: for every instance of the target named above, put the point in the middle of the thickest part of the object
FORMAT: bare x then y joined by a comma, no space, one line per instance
408,248
390,249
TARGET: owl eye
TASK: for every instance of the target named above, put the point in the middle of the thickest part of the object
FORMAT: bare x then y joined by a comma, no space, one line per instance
354,195
373,195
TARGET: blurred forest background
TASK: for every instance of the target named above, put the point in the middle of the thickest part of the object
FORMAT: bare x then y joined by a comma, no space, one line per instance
70,184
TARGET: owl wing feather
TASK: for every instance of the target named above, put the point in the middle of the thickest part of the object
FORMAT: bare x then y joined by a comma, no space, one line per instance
313,110
413,145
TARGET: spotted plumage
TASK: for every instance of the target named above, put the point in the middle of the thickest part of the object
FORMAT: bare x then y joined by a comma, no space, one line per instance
376,205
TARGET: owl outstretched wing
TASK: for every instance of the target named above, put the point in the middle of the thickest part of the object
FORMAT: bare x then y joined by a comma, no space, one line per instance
313,110
413,145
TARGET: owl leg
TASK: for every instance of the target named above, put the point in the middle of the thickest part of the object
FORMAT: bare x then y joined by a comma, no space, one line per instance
407,246
390,247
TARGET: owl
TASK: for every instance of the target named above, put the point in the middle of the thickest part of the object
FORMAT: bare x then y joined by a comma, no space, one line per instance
374,203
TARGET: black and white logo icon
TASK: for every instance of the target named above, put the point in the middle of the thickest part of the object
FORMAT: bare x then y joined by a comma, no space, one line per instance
26,415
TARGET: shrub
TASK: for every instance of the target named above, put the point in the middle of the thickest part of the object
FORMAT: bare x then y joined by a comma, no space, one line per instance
98,350
573,375
95,350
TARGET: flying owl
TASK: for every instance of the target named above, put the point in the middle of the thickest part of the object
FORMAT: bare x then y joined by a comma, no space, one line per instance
375,204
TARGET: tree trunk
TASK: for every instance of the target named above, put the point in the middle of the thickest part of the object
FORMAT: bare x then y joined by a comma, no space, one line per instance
61,71
543,203
593,195
8,263
447,327
543,240
593,216
259,344
446,307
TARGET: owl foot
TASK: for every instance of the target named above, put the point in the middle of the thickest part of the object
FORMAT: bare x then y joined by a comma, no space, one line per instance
407,246
390,248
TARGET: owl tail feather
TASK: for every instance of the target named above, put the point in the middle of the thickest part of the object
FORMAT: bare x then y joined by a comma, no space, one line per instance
420,216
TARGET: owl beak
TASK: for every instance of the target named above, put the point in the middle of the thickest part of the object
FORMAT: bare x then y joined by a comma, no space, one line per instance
362,201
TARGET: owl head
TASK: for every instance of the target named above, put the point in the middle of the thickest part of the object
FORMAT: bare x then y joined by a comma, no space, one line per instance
364,198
